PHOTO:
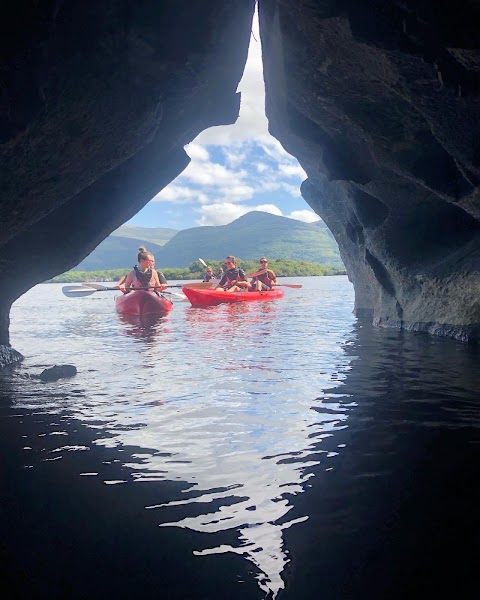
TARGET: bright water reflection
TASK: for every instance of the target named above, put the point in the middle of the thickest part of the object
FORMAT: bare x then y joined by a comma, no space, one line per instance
221,399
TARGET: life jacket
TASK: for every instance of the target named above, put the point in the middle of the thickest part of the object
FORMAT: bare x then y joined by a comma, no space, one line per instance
264,278
142,278
233,275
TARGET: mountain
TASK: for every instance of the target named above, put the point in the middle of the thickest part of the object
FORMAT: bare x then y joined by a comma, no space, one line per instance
253,235
157,235
248,237
120,249
116,252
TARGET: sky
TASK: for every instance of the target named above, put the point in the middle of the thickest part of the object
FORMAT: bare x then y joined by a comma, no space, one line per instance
234,169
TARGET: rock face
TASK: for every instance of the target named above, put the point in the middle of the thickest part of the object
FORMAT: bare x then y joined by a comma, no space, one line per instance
380,104
378,101
97,100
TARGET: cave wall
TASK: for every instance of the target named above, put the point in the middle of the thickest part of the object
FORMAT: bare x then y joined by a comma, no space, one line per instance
379,101
97,100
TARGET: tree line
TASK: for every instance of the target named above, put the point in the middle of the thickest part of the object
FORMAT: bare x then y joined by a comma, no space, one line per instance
282,267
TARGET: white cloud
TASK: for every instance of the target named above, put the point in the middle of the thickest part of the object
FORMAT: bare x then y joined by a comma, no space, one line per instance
180,195
307,216
293,171
197,152
252,122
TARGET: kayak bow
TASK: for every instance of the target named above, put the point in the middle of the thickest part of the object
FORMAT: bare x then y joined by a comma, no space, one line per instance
143,302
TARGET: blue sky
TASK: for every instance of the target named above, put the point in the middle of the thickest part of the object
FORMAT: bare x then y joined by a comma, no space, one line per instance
234,169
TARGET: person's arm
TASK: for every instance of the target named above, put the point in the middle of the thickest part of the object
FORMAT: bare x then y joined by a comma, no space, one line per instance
242,280
121,282
127,282
162,280
273,278
221,283
156,282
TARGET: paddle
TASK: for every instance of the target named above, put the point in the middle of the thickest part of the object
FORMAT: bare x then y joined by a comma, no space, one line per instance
101,288
194,285
202,262
72,291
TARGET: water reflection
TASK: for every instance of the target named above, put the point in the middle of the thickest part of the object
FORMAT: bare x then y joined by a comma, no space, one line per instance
145,327
335,458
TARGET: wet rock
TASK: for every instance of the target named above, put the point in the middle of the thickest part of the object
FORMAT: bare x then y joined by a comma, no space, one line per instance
58,372
9,356
380,104
97,101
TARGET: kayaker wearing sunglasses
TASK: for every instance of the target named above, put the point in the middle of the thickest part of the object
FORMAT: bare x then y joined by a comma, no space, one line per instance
234,279
264,279
143,274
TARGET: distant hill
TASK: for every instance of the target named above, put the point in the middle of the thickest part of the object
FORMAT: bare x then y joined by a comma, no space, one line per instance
251,236
116,252
120,249
157,235
248,237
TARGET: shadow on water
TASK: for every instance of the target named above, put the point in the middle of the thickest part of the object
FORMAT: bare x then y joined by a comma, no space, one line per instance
397,514
259,483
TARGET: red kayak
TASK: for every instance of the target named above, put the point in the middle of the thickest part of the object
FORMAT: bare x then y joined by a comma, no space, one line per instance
143,302
209,297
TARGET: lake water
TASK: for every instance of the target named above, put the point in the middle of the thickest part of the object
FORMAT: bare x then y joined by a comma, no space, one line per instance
264,450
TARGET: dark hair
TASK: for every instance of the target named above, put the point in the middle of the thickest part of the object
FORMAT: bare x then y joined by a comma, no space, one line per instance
232,259
142,254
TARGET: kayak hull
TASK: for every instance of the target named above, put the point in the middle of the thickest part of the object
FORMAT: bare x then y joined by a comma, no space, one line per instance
143,302
209,297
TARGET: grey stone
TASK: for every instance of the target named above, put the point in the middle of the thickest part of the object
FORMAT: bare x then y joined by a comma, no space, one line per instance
58,372
9,356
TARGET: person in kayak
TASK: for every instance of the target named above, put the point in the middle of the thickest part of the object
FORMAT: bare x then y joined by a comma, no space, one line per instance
208,274
264,279
219,273
143,275
234,279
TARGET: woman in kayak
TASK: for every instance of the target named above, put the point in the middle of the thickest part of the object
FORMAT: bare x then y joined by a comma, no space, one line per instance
208,274
234,279
264,279
143,274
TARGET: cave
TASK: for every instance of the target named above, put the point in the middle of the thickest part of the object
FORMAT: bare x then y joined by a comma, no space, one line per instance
379,104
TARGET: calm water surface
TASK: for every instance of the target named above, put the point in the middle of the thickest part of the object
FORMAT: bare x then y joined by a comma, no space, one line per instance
269,450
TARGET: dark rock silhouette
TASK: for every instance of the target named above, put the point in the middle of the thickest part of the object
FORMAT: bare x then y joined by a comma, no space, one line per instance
58,372
97,100
379,103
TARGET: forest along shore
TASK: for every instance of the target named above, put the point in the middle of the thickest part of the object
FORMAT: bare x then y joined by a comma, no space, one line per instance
282,268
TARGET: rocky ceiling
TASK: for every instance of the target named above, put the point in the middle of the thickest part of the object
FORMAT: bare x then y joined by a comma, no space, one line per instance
379,101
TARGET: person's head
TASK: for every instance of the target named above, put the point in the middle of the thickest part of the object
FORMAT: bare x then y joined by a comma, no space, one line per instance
220,271
263,262
209,271
231,262
144,258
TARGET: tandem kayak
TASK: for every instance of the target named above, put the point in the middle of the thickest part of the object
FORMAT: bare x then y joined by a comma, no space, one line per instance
209,297
143,302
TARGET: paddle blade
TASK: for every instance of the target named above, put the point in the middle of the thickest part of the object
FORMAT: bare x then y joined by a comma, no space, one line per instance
296,286
96,286
72,291
202,262
198,285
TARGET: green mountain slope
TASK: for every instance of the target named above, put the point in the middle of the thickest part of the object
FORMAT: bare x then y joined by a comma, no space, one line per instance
251,236
116,252
157,235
